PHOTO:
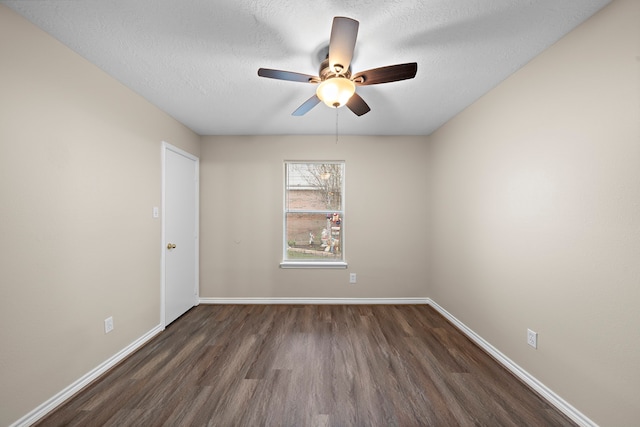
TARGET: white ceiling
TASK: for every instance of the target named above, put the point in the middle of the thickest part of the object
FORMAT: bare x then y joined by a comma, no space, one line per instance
198,59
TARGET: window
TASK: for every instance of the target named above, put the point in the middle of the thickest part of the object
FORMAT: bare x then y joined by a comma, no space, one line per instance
314,214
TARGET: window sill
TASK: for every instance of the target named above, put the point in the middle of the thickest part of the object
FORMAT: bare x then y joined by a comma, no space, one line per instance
313,264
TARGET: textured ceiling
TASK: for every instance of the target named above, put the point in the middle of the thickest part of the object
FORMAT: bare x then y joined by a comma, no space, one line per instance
198,59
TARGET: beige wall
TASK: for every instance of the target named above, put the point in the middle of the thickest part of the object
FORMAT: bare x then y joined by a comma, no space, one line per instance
536,216
79,176
241,222
531,196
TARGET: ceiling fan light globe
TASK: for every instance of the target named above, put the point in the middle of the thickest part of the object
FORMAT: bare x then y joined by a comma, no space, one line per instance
336,92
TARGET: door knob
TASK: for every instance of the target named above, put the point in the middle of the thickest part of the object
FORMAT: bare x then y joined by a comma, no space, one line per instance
171,246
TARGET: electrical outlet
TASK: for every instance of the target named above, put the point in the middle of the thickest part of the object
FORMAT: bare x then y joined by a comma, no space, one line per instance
532,338
352,277
108,325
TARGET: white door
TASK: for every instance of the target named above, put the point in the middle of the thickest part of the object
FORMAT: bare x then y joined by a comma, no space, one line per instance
180,232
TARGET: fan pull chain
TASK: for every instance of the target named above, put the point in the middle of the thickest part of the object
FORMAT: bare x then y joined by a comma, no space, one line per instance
336,125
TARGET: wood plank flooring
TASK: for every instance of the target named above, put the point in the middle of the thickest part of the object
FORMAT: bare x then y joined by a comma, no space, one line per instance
308,365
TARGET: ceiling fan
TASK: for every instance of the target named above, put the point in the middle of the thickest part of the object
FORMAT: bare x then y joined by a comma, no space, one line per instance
336,83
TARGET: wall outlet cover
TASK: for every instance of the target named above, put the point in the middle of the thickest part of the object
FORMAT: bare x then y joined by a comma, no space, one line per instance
532,338
108,325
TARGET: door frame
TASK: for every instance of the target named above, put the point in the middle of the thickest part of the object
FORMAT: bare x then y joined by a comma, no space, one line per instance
168,147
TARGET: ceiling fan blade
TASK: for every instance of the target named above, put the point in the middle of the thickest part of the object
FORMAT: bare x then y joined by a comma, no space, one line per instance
306,106
342,43
390,73
357,105
287,75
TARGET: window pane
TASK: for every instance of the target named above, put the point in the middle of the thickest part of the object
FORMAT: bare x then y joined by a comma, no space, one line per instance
314,186
313,236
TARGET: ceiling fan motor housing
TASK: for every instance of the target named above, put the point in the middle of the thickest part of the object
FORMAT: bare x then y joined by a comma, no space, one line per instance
327,73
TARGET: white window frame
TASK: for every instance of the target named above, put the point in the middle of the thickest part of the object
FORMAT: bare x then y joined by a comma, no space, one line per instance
338,263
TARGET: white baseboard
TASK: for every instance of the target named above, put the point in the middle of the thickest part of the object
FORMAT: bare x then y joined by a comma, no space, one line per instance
561,404
48,406
317,301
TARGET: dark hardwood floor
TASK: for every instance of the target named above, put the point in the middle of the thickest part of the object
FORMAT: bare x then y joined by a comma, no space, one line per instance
308,365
